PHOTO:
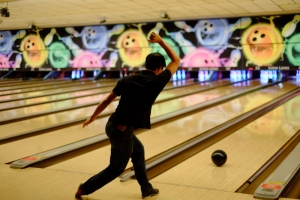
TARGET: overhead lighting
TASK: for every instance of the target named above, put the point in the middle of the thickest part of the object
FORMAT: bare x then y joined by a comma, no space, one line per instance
102,20
165,15
33,27
4,12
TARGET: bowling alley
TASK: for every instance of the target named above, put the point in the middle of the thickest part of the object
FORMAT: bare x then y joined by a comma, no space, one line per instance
217,117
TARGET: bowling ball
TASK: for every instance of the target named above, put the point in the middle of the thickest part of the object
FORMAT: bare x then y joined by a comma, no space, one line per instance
219,157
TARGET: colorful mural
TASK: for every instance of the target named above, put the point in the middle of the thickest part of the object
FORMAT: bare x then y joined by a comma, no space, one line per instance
206,43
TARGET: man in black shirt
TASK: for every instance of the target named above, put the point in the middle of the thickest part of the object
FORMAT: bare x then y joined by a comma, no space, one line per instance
138,93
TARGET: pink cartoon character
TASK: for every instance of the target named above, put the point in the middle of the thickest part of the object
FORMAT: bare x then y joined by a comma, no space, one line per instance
87,59
201,57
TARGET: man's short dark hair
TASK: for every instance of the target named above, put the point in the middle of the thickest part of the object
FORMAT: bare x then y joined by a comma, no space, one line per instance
155,61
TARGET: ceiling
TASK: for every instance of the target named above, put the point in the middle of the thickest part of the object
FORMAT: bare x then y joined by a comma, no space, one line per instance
61,13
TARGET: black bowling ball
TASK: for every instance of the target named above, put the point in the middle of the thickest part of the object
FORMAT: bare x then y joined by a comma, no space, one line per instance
219,157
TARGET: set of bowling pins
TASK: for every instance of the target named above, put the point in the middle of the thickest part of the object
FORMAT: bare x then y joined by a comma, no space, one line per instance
179,75
266,75
298,74
238,75
77,74
203,75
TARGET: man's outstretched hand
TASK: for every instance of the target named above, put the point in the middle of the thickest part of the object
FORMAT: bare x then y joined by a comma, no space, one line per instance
154,38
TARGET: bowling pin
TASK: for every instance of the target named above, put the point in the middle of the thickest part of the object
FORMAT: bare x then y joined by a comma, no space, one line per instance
78,74
49,38
200,75
73,32
178,74
248,74
186,46
73,74
290,27
241,23
244,75
117,30
174,77
156,29
206,76
20,35
183,75
184,26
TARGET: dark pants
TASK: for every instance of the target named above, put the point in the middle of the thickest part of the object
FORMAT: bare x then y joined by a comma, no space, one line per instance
124,145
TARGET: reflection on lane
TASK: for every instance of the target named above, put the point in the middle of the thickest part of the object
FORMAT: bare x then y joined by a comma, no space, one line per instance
215,93
247,149
52,86
69,95
166,136
157,109
48,92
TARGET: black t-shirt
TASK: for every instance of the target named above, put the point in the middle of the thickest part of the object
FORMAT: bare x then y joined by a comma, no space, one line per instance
138,93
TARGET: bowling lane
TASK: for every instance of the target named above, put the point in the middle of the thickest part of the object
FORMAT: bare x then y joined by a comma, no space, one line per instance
26,84
54,86
12,82
36,123
9,81
247,149
50,140
49,92
70,103
57,97
168,135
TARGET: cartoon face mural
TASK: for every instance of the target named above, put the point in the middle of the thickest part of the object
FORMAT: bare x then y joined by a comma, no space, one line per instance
34,50
17,62
187,46
201,57
86,59
201,43
293,50
234,59
133,47
293,44
59,55
4,61
94,37
212,33
112,61
157,48
262,43
6,41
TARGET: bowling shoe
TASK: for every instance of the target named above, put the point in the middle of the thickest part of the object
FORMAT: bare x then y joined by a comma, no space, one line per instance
150,193
79,192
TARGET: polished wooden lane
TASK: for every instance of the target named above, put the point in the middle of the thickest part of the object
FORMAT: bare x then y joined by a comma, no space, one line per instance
35,109
43,87
29,84
46,184
50,92
94,89
166,136
247,150
65,136
53,119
